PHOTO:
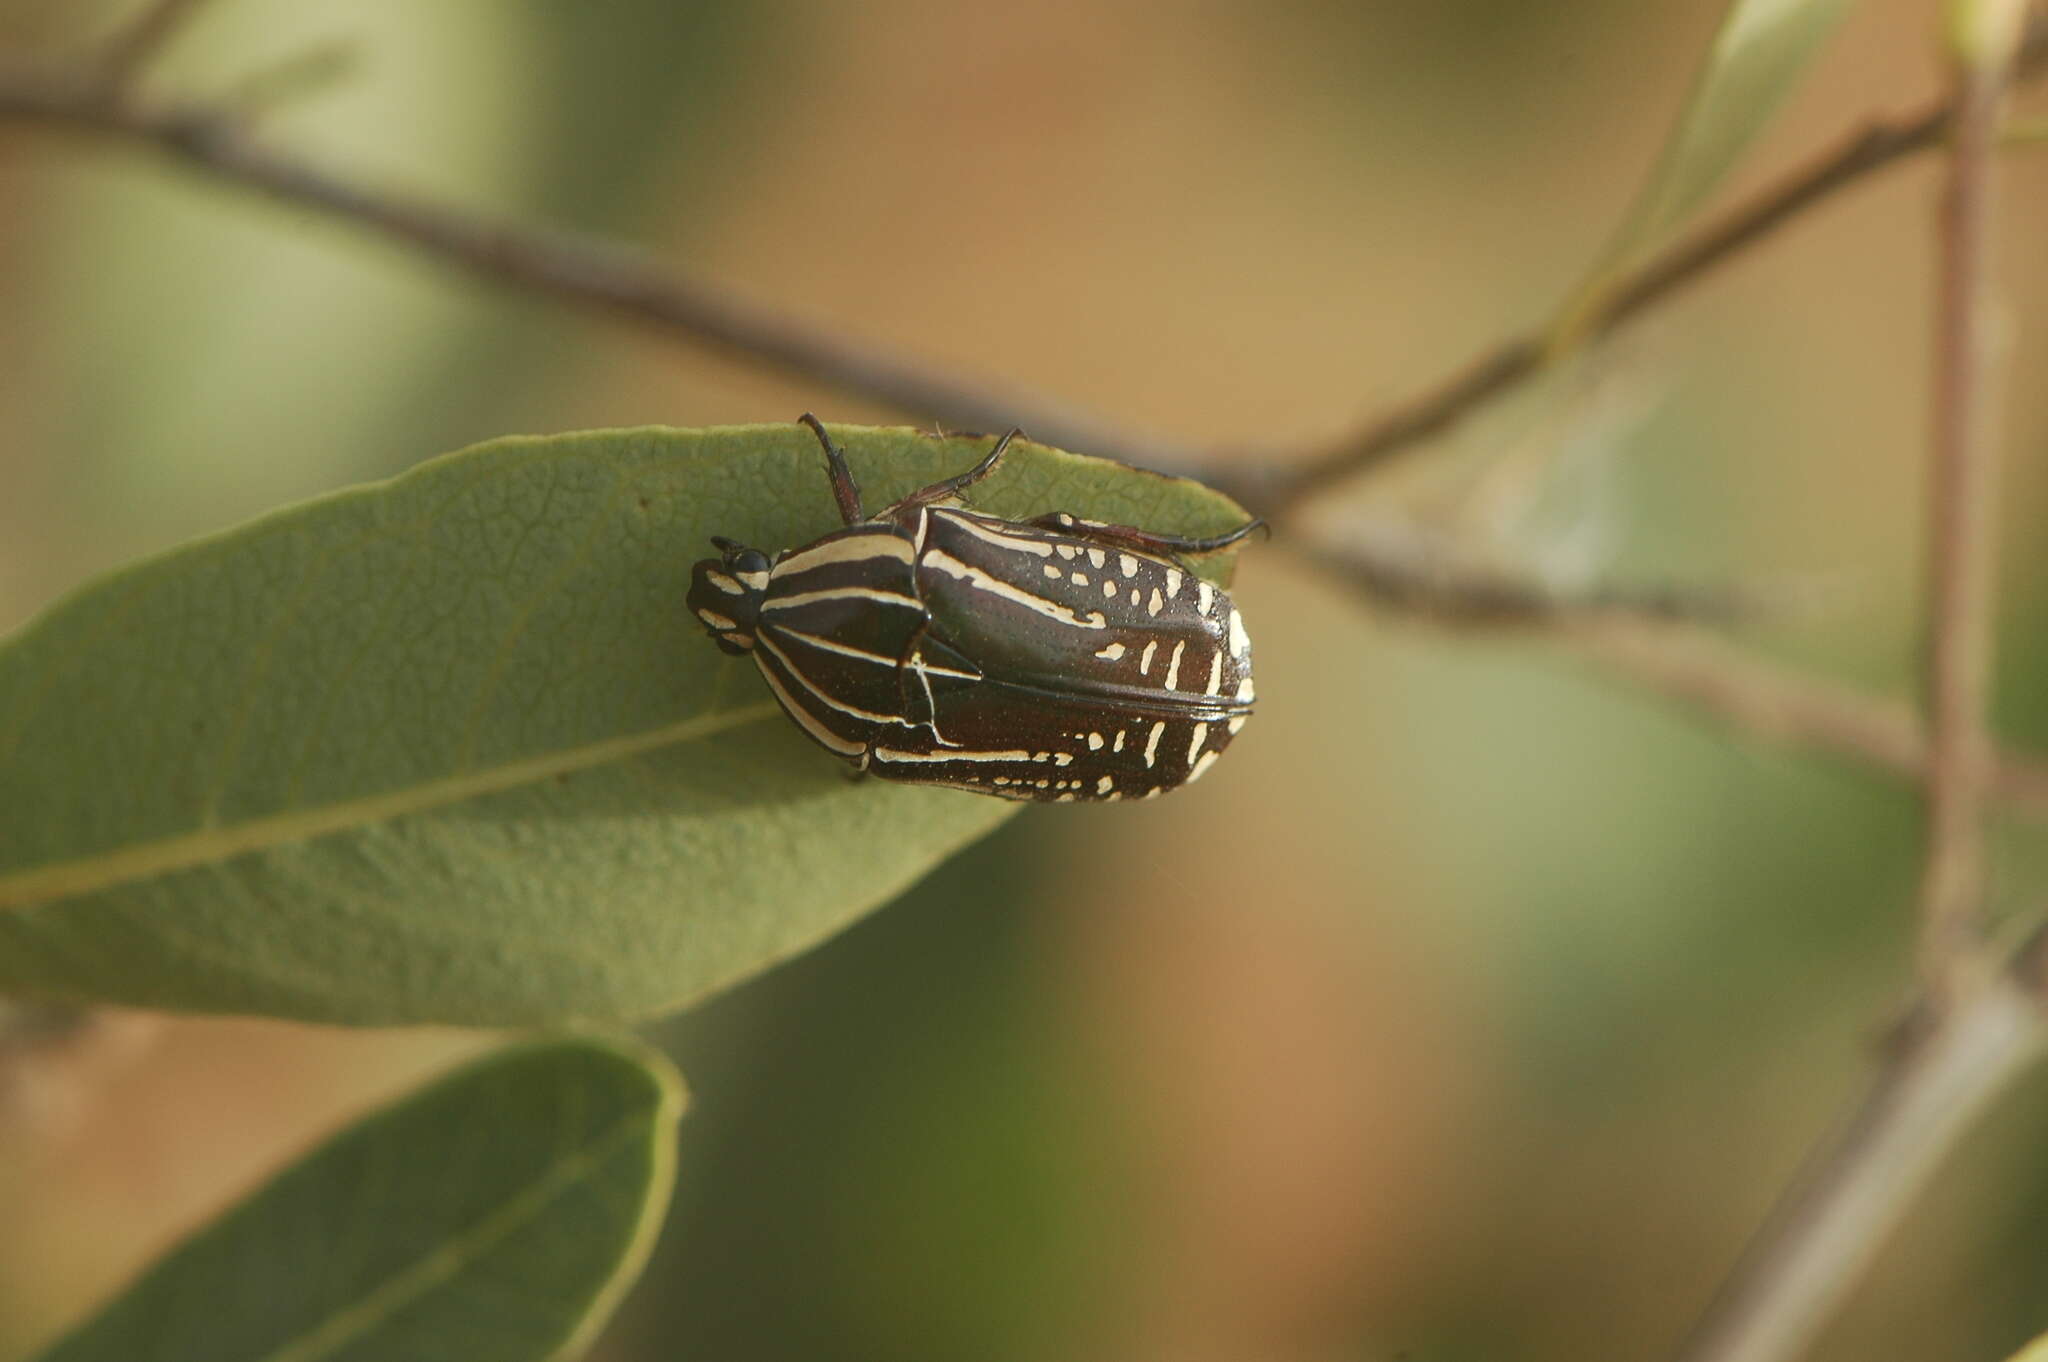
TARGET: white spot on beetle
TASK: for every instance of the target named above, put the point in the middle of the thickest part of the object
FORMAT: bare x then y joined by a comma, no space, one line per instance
1201,767
1244,689
1067,551
1152,743
1201,736
1155,604
1063,758
1080,579
1118,746
716,620
1173,581
1128,564
1215,673
1094,742
1173,666
1109,591
1236,726
1103,786
1145,658
1051,570
1095,556
1204,593
1240,641
1113,652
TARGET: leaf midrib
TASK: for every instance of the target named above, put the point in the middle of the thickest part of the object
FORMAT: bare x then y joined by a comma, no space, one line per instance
55,880
461,1249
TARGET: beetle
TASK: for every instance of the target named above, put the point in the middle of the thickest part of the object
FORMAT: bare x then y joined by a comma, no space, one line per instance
1053,659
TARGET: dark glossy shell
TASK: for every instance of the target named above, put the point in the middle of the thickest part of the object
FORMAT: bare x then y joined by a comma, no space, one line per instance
1049,660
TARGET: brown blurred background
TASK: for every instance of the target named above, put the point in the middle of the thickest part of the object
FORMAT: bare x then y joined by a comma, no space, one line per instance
1478,1006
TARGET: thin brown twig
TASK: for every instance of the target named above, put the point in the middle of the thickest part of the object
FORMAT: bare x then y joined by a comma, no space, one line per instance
1514,361
598,275
570,267
1653,641
1973,1028
1943,1071
1961,538
1785,707
136,45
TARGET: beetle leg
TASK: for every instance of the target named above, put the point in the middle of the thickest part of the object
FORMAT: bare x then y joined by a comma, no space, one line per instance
909,665
845,490
1130,536
953,486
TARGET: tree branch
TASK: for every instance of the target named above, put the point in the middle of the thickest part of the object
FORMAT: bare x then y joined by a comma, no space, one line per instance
1943,1072
600,276
575,269
1974,1027
1961,530
1652,639
1515,361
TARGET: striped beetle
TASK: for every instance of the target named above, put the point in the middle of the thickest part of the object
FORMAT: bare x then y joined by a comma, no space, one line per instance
1051,659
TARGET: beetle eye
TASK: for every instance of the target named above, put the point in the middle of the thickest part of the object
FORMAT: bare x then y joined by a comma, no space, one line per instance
746,560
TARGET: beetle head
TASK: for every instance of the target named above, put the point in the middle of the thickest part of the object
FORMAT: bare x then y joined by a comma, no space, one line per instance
726,592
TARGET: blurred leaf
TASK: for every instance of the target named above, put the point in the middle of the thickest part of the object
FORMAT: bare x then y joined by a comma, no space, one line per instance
1758,56
496,1216
1985,33
449,748
2037,1351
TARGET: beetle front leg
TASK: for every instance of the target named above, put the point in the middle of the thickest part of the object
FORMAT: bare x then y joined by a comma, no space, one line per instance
953,486
845,490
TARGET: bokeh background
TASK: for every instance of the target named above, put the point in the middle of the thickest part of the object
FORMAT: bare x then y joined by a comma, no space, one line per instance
1476,1008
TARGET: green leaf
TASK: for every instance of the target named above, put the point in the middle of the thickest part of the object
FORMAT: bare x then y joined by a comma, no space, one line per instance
449,748
496,1216
1762,49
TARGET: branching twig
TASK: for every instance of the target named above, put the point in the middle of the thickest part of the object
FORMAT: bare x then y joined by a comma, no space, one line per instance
576,269
598,275
1514,361
1652,640
1943,1071
1973,1029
